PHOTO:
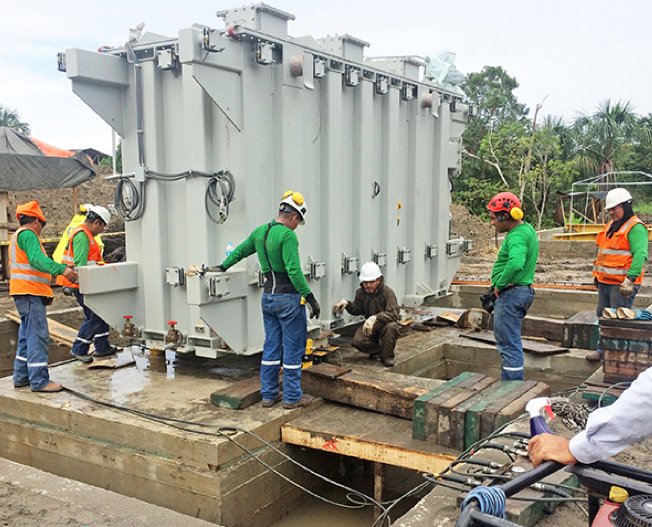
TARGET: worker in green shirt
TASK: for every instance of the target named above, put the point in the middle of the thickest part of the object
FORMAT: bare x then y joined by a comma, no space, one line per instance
82,250
622,252
511,279
31,272
284,314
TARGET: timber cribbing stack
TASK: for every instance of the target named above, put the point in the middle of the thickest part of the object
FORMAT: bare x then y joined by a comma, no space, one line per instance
469,407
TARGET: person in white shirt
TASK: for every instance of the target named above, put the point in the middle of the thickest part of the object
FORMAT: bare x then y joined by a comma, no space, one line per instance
608,430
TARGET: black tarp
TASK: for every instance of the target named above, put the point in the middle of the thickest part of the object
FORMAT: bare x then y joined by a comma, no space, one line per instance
23,166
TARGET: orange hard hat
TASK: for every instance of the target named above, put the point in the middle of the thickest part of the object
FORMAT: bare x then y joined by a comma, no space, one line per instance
503,202
30,208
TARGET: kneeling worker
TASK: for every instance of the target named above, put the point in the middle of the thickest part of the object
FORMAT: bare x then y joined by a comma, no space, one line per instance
83,249
377,302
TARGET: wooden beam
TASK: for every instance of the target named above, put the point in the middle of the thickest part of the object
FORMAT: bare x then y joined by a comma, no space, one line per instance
365,435
387,394
379,480
548,328
58,332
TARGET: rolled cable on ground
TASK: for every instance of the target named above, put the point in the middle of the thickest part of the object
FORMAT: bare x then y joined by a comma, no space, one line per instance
491,500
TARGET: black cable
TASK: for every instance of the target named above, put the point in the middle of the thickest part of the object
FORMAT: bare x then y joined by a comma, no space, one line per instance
227,432
129,201
219,192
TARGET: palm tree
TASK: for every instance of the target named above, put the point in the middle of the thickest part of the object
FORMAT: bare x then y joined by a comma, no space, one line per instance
604,137
11,119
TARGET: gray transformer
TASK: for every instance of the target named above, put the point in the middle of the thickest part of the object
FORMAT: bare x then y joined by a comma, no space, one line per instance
216,125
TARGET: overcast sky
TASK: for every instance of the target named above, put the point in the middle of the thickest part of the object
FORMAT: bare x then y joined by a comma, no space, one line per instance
577,53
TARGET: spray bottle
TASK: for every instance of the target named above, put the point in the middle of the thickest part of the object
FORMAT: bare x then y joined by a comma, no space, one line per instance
536,408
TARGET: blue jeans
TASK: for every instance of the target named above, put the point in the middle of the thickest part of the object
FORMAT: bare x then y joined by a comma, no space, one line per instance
92,329
510,309
609,296
286,332
31,361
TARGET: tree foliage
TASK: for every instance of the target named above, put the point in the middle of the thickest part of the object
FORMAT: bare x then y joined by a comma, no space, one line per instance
11,119
539,157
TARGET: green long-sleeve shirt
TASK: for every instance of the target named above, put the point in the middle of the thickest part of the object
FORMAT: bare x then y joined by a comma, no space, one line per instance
28,241
80,248
638,245
283,250
517,258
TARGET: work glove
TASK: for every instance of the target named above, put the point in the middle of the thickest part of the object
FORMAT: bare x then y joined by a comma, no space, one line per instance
488,300
313,306
339,307
70,274
217,269
67,291
627,287
368,326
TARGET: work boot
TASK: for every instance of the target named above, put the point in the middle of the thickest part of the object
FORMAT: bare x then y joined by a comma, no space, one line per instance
50,387
268,403
593,356
111,351
374,356
389,362
86,358
21,384
304,401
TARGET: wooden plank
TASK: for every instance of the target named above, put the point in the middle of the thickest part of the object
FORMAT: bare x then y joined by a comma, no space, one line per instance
458,415
474,413
628,333
393,395
460,391
326,370
538,348
548,328
488,416
420,428
365,435
58,332
517,407
113,362
622,323
444,435
239,395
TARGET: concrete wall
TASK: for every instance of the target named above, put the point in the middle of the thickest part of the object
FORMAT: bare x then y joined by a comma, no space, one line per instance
553,303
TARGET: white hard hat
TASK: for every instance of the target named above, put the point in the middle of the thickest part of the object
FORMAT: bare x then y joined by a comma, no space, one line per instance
616,197
370,271
296,201
102,212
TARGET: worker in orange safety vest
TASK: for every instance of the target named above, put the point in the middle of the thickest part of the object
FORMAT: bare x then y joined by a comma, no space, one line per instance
82,250
622,253
31,272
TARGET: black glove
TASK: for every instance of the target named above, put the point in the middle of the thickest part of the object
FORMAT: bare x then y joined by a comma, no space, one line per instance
67,291
487,300
313,306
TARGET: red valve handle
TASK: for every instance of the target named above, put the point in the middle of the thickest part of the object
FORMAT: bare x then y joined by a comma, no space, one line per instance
128,317
171,322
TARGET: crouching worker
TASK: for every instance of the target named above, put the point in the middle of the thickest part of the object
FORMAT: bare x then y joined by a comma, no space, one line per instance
377,302
31,272
83,250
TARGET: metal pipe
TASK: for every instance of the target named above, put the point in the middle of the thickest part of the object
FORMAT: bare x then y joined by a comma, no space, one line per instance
521,482
627,471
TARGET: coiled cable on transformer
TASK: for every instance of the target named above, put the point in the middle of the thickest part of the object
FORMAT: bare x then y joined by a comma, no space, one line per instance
219,193
129,200
491,500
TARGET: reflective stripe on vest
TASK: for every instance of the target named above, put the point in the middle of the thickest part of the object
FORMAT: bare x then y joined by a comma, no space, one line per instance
614,255
68,258
25,279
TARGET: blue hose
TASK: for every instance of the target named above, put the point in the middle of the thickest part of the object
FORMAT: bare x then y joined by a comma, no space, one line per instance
491,500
